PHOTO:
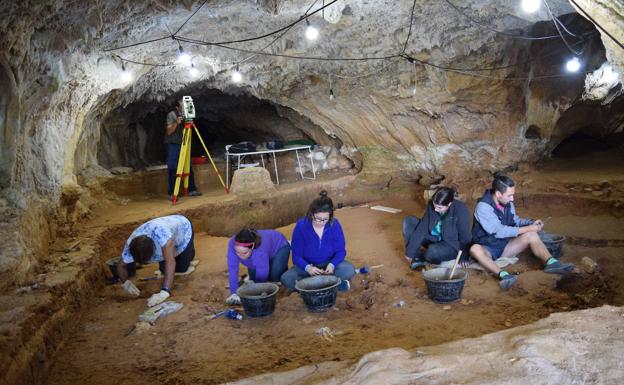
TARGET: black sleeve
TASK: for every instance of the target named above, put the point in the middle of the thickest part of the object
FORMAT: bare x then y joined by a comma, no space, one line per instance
463,228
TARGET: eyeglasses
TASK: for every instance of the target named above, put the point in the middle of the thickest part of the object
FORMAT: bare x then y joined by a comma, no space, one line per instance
320,220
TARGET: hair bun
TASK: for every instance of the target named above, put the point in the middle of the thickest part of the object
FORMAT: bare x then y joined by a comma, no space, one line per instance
323,194
498,174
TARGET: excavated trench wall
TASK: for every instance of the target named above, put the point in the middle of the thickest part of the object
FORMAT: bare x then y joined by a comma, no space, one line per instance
55,311
49,316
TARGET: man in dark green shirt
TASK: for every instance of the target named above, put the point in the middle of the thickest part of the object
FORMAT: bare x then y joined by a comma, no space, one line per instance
173,140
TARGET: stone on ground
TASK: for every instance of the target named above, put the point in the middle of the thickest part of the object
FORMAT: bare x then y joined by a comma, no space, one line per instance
252,180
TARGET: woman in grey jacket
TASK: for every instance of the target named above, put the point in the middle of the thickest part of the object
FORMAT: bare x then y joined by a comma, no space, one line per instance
441,233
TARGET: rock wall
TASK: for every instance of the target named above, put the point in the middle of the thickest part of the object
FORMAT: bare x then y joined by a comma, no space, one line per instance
610,15
59,81
58,84
580,347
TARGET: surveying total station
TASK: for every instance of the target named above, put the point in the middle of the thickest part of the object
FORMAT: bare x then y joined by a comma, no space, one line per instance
184,162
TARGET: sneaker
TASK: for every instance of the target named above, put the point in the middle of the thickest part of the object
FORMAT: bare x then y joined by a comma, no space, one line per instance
195,262
416,263
559,268
345,285
508,281
194,193
187,272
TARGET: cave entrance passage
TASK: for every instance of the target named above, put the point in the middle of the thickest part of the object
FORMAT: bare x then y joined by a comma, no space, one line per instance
133,137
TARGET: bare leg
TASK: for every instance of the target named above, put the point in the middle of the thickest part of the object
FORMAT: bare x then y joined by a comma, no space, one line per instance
521,243
483,256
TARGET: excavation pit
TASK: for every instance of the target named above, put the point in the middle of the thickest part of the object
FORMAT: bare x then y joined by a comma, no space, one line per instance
365,319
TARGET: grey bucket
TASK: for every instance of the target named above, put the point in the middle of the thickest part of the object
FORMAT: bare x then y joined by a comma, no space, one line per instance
258,299
440,288
553,242
319,291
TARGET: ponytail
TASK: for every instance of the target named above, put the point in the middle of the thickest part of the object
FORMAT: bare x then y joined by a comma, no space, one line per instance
501,183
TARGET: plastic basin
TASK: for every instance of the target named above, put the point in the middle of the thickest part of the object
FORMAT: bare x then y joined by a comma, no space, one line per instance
440,288
318,292
258,299
553,242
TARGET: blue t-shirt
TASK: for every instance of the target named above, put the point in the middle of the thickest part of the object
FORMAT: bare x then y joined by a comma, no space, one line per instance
161,230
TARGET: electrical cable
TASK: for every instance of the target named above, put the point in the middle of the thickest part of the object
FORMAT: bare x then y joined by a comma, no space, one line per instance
562,25
284,30
510,35
521,78
189,18
320,58
137,44
555,21
409,33
412,59
597,25
143,63
175,37
405,56
277,38
271,33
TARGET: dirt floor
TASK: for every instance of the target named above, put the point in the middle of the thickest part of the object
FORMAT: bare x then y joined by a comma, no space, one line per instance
189,348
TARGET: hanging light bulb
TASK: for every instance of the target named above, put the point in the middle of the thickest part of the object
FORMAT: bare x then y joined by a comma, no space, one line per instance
573,64
331,94
236,76
183,57
311,32
126,76
530,6
194,71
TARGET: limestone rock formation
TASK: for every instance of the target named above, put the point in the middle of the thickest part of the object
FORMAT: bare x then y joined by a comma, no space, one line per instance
66,110
251,180
581,347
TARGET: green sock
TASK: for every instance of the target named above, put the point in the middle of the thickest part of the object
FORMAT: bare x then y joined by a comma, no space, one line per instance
503,274
550,261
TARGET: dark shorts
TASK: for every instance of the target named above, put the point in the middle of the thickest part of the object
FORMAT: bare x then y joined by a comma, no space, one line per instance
183,261
497,249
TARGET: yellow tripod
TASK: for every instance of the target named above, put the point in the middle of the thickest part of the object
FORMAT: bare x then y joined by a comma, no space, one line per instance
183,170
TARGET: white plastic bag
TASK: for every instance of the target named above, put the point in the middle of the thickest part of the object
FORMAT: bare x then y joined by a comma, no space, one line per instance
151,315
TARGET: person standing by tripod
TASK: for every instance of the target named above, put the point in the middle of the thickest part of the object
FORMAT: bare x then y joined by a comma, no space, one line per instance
173,140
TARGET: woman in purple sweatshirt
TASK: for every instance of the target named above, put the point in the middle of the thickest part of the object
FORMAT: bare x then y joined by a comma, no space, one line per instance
318,246
265,254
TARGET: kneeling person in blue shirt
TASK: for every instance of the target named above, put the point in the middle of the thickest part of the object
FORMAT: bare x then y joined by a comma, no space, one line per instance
167,240
318,246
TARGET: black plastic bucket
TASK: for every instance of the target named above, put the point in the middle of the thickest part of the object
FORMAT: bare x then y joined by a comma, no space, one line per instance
258,299
440,288
318,292
112,265
553,242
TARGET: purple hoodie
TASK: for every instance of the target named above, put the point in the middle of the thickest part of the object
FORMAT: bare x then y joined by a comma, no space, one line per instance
270,242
